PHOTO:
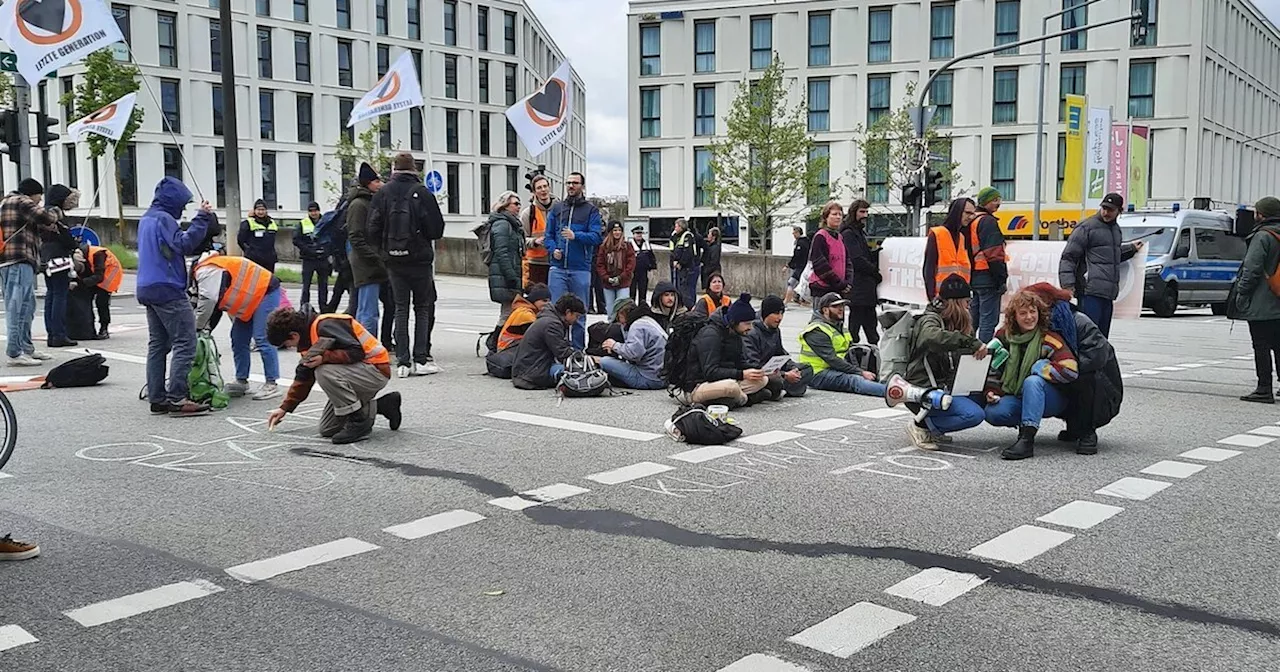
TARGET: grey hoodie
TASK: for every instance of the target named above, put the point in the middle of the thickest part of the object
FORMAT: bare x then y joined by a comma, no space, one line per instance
645,346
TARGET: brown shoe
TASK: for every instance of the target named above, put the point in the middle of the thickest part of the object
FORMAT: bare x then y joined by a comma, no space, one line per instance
17,550
187,409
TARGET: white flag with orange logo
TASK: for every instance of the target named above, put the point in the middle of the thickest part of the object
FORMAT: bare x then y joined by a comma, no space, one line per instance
109,122
542,118
48,34
399,89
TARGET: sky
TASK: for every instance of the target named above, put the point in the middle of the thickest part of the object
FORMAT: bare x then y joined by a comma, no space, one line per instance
593,35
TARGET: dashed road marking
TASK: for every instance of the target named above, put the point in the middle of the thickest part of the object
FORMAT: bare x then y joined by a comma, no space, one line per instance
1211,454
852,630
826,425
1133,488
1146,372
1169,368
1244,358
436,524
770,438
1021,544
1212,362
629,473
513,503
882,413
1080,514
1246,440
573,426
705,454
758,662
554,492
1193,366
1267,430
260,570
141,603
935,586
1173,469
12,636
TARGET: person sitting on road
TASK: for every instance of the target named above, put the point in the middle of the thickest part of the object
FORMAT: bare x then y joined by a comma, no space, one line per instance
943,332
824,346
1030,385
714,299
636,361
764,342
348,363
717,373
599,332
524,310
665,305
247,292
541,354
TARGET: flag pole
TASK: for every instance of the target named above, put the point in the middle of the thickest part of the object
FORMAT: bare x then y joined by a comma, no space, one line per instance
164,121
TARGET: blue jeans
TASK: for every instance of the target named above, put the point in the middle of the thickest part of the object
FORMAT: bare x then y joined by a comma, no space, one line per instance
256,330
626,374
1040,399
172,327
963,414
1099,310
838,381
578,283
367,298
57,287
19,307
984,308
612,295
556,370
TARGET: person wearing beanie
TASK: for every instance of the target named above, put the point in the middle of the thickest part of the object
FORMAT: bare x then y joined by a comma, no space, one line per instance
824,347
257,237
714,299
938,338
716,371
764,342
368,273
314,256
990,277
540,356
23,220
1090,263
635,362
30,187
1256,303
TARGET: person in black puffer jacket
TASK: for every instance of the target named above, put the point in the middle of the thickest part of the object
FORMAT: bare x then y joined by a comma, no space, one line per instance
862,272
56,249
717,371
506,247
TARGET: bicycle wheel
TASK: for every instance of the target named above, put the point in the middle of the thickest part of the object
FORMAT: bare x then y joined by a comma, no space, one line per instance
9,430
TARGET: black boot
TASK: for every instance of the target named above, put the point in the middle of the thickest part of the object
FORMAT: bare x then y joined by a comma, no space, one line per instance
103,334
1024,447
1088,444
1260,396
355,430
1068,436
389,408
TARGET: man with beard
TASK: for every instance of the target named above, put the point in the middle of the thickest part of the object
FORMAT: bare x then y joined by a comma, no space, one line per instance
862,273
534,219
574,229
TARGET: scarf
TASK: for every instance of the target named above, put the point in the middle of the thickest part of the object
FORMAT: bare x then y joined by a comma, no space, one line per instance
1024,352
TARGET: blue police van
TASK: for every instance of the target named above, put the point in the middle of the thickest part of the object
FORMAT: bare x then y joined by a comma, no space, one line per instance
1193,257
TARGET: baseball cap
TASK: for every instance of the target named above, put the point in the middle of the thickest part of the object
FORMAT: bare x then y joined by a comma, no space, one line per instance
831,299
1113,200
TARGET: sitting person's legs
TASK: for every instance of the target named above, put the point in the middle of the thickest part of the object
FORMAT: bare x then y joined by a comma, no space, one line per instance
1039,399
837,381
626,374
728,391
964,413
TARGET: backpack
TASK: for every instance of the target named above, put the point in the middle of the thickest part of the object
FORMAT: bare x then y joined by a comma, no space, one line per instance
484,241
401,235
582,377
865,357
675,361
499,363
896,344
1273,278
205,379
328,232
693,424
85,371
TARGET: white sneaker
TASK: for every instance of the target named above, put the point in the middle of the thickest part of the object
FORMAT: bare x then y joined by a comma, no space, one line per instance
267,391
403,372
40,356
427,369
24,360
921,437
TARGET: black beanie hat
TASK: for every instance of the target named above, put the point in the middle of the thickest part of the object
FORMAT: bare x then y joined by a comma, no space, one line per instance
772,304
366,175
30,187
741,310
313,206
259,204
954,287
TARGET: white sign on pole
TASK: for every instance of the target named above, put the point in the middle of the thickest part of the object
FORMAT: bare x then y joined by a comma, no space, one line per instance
399,89
48,34
109,122
542,118
1097,144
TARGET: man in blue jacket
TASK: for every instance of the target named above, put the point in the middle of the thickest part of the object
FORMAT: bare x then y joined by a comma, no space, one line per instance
162,288
573,232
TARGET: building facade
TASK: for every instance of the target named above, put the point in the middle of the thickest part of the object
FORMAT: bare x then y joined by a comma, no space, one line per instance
300,67
1205,78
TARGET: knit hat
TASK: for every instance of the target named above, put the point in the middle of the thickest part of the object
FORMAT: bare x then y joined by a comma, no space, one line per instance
537,292
313,206
30,187
366,175
954,287
986,195
1267,207
772,304
615,224
259,204
741,310
622,305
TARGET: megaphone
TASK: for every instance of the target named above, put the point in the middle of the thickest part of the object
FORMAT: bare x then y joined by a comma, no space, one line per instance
898,391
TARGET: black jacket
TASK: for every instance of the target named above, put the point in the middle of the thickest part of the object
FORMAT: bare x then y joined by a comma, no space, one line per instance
799,254
506,242
761,344
545,343
1100,389
1090,263
366,266
717,352
309,248
862,267
424,210
711,258
260,249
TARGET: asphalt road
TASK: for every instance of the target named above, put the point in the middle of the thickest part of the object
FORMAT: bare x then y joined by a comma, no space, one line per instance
820,541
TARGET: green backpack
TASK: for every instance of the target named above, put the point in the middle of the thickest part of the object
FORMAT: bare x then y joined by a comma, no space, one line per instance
205,379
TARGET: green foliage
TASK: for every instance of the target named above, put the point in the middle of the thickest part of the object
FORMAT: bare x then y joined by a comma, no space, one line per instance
6,89
105,80
128,258
348,156
763,169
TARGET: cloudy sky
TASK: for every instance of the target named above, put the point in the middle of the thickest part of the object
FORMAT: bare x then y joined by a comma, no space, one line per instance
593,33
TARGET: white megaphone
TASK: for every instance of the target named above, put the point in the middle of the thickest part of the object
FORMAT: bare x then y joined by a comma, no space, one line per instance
898,391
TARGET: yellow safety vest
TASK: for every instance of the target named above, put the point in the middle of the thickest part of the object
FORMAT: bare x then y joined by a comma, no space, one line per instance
840,339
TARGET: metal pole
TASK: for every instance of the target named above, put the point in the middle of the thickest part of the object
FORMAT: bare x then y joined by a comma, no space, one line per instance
45,167
1240,166
22,104
230,129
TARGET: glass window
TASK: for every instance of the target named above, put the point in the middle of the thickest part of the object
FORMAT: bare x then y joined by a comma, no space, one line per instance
1071,78
450,23
302,57
1008,24
451,184
269,180
701,176
451,76
345,105
167,34
68,86
513,176
73,169
650,112
941,96
1142,89
121,14
306,131
267,114
819,38
413,13
704,110
264,7
1062,163
219,176
1004,166
416,56
301,10
650,50
761,42
172,162
127,175
822,190
513,147
482,27
264,53
880,36
384,131
344,14
878,92
215,45
942,31
878,175
344,63
704,46
1076,18
482,70
380,16
484,134
306,179
509,32
171,103
216,100
819,104
384,59
416,138
510,82
451,131
651,179
1148,8
1217,245
1005,107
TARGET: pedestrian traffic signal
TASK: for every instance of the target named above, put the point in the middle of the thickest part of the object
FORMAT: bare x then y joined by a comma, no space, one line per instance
932,187
911,195
45,138
10,140
540,170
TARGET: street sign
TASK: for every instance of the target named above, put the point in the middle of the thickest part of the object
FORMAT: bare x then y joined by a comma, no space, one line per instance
8,62
86,235
435,183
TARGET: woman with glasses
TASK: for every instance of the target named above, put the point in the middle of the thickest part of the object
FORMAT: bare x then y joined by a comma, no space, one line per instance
506,247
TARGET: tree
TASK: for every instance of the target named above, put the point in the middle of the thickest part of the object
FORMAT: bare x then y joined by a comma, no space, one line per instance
105,80
764,168
366,148
6,89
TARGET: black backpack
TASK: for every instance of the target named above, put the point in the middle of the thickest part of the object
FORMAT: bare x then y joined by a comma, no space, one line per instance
401,235
499,363
331,231
675,362
693,424
83,371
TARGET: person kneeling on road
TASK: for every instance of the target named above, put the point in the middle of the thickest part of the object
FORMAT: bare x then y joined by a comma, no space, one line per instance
247,292
824,345
541,354
636,362
717,373
347,361
764,342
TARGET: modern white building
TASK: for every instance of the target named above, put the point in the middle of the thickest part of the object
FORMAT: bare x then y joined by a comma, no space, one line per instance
300,66
1205,79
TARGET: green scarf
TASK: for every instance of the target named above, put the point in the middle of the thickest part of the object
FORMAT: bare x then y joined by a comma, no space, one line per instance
1024,351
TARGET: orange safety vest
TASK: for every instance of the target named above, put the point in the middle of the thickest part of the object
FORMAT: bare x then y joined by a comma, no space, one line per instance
249,284
711,305
522,316
374,352
953,258
114,272
537,226
980,262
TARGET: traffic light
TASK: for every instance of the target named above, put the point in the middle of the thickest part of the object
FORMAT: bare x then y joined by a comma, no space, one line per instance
911,194
9,137
932,187
541,169
44,137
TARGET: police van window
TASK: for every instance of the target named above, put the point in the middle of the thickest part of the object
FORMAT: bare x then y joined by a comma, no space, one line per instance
1183,248
1213,244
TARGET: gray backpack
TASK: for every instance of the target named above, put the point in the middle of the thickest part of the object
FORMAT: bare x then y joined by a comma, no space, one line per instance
896,344
582,378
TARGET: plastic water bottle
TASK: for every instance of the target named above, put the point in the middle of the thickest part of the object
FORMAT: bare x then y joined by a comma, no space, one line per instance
999,355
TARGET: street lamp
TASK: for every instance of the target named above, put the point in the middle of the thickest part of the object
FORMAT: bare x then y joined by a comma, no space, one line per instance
1240,166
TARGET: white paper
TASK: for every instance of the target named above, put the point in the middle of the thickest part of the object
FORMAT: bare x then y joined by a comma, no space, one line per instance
774,364
971,376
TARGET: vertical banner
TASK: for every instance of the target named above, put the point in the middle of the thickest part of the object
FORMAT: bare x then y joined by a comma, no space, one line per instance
1139,160
1097,142
1073,171
1118,160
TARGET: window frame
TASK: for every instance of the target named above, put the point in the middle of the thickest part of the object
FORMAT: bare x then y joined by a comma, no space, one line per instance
1147,99
482,27
1078,41
170,19
819,52
450,19
265,43
819,118
651,114
701,176
761,54
876,112
266,114
417,132
413,19
216,102
704,119
1004,111
346,78
1006,184
943,108
305,101
452,122
999,36
650,196
305,7
451,76
172,119
703,60
482,76
305,196
886,42
942,46
509,32
270,195
380,13
1063,69
342,14
302,65
172,168
651,63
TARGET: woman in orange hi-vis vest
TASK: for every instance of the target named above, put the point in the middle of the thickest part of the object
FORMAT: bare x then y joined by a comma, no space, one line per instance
248,293
947,250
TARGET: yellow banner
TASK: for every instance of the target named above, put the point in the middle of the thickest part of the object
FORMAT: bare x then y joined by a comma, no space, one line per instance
1073,171
1017,223
1139,147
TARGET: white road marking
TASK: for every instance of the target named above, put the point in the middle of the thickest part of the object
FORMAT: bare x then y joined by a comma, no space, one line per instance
881,413
1169,368
1146,372
852,630
1193,366
12,636
826,425
132,359
1212,362
554,492
1080,514
935,586
1244,358
513,503
705,454
282,382
758,662
469,332
1173,469
629,473
4,475
1133,488
1021,544
573,426
1269,430
436,524
769,438
141,603
1211,454
1246,440
260,570
1126,376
